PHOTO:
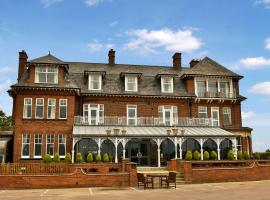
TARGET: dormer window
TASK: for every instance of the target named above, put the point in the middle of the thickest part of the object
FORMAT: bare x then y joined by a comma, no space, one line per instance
46,74
167,84
131,83
95,81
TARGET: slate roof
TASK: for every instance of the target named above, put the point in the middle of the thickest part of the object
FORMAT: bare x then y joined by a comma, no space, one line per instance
113,82
209,67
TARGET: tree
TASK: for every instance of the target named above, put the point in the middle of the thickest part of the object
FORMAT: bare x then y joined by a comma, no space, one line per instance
230,155
4,119
188,155
206,155
214,155
267,150
196,155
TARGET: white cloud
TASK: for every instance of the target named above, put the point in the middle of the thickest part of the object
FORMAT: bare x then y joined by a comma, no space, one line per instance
247,115
114,23
163,39
96,46
94,2
48,3
267,43
5,85
266,3
254,62
7,69
261,88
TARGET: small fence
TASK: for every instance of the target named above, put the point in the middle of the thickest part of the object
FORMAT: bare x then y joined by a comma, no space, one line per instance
34,169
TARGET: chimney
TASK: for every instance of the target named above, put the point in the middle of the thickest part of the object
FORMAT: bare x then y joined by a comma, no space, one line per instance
22,63
193,62
177,61
111,55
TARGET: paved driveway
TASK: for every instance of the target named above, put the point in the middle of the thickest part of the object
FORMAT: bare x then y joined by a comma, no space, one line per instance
221,191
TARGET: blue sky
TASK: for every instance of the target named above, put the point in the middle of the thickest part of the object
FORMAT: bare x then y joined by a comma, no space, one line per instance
234,33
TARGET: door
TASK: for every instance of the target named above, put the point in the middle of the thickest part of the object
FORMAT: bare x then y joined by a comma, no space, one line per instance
93,116
215,116
139,152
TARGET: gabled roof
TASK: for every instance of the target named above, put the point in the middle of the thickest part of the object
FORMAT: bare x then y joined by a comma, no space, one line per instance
209,67
48,59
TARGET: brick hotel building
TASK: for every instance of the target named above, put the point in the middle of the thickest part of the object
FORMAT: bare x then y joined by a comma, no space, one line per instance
150,114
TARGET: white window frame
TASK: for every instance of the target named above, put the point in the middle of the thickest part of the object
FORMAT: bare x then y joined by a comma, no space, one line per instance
213,109
162,84
66,105
132,107
63,143
202,110
38,135
53,106
25,108
227,113
52,140
26,143
173,114
90,85
127,82
36,117
87,111
46,72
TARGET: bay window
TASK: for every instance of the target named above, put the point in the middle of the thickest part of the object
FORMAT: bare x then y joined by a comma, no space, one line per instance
46,74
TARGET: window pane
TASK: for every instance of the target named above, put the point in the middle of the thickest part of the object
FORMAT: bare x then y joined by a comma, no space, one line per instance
212,87
201,88
26,151
51,78
62,149
42,78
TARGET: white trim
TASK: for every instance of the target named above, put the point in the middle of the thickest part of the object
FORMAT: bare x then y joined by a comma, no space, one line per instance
36,117
162,85
51,106
212,119
34,156
25,143
135,82
131,106
25,117
64,136
90,86
50,143
229,113
46,72
63,106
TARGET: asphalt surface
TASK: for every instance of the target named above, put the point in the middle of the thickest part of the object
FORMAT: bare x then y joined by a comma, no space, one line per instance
256,190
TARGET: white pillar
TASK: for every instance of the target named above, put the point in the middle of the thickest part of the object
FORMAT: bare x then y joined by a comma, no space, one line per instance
99,146
235,148
201,143
116,144
180,149
72,151
124,148
158,151
175,147
218,149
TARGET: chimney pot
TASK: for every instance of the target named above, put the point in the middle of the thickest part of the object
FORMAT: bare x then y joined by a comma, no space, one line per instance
177,61
111,55
193,62
22,63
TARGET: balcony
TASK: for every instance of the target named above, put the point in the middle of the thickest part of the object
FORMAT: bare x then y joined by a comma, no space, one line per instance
209,94
142,121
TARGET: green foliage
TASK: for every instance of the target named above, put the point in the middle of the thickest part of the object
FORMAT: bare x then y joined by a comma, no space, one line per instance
206,155
89,158
105,158
98,158
5,120
245,155
79,158
196,155
47,158
267,150
56,158
230,155
239,155
256,156
213,155
188,155
68,158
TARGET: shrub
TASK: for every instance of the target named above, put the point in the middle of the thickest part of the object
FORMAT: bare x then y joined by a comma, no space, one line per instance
105,158
239,155
256,156
68,158
213,155
196,155
98,158
89,158
230,155
56,158
206,155
79,158
245,155
47,158
188,155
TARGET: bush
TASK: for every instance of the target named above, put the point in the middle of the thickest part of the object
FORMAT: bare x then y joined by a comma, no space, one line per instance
239,155
98,158
230,155
68,158
196,155
56,158
47,158
79,158
245,155
213,155
188,155
105,158
89,158
206,155
256,156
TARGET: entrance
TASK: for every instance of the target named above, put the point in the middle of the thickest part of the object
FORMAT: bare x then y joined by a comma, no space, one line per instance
139,152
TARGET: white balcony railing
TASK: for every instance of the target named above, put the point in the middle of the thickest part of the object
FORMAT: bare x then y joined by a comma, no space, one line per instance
208,94
142,121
